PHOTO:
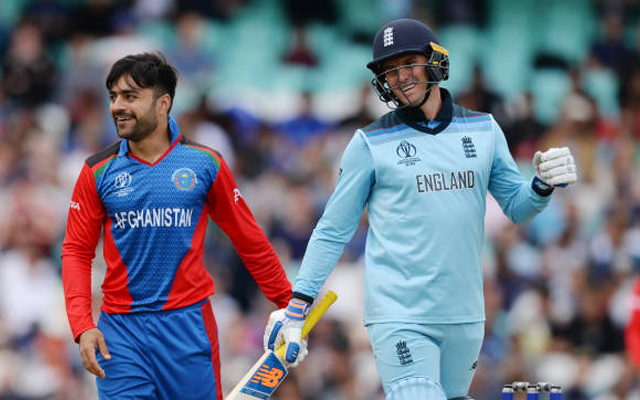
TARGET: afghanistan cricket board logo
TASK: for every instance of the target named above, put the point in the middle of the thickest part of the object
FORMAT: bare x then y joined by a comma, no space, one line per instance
407,153
184,179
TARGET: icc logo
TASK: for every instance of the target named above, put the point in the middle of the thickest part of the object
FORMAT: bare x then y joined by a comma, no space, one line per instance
406,150
122,181
407,153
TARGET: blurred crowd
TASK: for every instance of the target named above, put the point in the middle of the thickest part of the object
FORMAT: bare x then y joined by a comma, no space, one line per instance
557,290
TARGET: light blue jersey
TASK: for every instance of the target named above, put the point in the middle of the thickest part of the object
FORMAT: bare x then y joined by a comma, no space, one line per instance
425,185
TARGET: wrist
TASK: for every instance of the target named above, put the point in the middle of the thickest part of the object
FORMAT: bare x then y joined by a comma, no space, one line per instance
297,309
303,297
541,187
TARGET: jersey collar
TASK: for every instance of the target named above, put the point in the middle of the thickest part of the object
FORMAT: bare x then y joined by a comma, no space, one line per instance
174,135
415,118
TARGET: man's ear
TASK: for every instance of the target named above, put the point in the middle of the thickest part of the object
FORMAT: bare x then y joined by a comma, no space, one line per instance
164,104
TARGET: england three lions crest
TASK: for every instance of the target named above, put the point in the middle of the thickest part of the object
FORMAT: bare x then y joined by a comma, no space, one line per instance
468,147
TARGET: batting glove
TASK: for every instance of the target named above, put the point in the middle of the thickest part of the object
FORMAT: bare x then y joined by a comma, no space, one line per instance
285,327
555,167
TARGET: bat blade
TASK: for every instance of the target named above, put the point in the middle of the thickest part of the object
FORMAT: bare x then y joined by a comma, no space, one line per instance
270,370
265,376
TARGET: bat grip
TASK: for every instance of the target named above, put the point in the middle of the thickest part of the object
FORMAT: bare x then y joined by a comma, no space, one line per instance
314,316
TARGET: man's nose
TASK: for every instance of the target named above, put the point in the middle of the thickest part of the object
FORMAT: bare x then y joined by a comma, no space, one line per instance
117,104
405,73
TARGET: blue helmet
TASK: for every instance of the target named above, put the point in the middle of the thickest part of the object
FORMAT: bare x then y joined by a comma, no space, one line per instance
404,36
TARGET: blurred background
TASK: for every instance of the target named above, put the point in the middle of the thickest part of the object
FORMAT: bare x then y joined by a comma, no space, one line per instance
279,87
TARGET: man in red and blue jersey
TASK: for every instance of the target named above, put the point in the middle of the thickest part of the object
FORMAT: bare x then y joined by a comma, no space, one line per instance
151,195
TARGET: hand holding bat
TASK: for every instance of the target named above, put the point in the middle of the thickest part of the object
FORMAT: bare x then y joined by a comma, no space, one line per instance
266,374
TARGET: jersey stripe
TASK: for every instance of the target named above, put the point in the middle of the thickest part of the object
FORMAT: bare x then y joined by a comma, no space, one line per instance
210,153
472,119
211,326
386,130
99,168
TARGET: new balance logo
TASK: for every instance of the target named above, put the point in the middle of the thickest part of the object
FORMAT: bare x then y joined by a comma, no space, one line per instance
387,38
267,376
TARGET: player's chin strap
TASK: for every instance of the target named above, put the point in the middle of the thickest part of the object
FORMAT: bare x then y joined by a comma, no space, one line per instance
423,99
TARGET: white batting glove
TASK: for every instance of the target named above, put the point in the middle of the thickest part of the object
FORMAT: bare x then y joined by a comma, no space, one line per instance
556,166
285,327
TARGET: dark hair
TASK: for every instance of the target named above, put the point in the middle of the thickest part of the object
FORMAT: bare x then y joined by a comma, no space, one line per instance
148,70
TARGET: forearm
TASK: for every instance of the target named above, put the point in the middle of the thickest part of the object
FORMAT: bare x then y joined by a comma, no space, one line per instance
321,257
76,279
525,204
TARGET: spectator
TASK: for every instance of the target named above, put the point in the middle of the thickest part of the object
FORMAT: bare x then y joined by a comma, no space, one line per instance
29,76
479,97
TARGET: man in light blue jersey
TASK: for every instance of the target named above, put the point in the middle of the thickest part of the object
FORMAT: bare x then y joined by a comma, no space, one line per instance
424,170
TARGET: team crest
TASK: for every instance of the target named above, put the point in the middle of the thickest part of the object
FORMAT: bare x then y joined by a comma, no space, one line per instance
184,179
387,39
468,147
403,352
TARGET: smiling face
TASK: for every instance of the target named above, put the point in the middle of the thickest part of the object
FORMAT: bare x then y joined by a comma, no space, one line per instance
406,76
133,109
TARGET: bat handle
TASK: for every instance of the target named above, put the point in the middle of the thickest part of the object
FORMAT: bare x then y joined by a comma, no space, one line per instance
314,316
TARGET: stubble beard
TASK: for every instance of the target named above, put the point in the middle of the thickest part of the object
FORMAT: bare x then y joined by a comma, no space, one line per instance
142,128
413,99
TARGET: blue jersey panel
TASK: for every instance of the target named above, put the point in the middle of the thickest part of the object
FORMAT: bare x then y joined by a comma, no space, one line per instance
154,211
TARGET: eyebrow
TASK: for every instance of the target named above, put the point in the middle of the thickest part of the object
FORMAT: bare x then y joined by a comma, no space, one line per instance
409,60
124,91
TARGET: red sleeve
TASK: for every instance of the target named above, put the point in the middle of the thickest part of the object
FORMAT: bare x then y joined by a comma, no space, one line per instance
632,331
84,223
229,210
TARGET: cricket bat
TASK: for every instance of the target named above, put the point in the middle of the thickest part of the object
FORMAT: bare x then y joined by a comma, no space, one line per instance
266,374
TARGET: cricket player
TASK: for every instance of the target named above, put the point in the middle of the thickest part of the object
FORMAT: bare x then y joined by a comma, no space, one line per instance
151,195
424,170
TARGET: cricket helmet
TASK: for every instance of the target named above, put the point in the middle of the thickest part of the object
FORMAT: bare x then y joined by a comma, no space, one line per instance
404,36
